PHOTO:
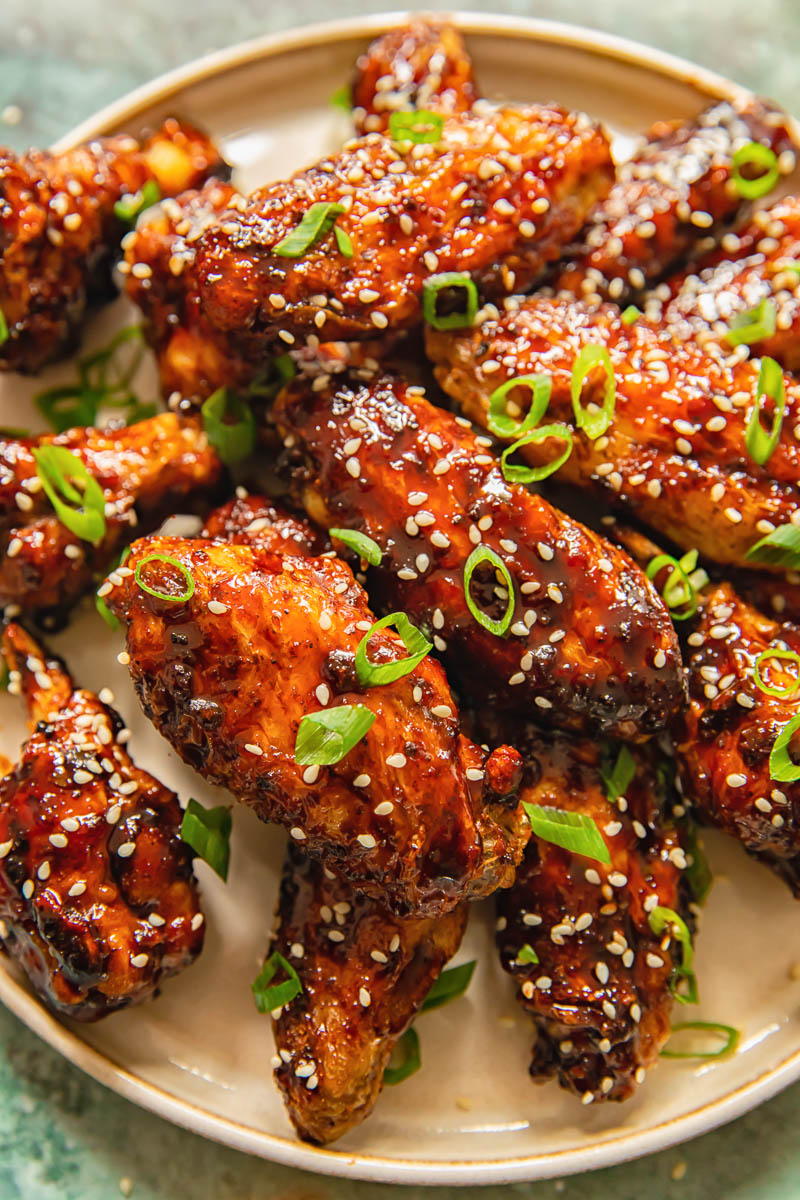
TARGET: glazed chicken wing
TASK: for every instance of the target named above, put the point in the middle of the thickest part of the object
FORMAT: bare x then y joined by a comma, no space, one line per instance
59,231
146,471
98,903
253,520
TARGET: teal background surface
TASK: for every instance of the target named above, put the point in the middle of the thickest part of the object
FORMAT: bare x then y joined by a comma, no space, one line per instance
63,1137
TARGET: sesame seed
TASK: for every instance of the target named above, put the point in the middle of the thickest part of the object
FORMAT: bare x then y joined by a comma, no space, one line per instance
311,774
126,849
252,748
617,879
362,781
394,944
325,621
384,808
654,960
378,956
367,841
297,833
114,813
396,760
217,607
543,983
545,551
591,876
140,960
735,780
77,889
379,320
123,658
527,989
364,998
58,840
474,774
335,935
353,467
602,972
82,776
323,693
659,659
636,1013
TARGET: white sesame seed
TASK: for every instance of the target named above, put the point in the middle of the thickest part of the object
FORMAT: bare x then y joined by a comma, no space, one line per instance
77,889
126,849
82,776
367,841
364,998
335,935
297,833
617,879
384,808
140,960
311,774
58,840
545,551
474,774
396,760
736,780
252,748
654,960
602,972
217,607
591,876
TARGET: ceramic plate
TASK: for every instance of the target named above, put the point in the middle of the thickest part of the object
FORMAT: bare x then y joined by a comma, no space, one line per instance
199,1055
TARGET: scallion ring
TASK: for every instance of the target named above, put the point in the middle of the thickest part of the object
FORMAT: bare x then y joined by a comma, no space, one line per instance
172,562
516,473
418,126
752,326
360,543
760,444
371,674
728,1032
661,918
484,554
679,589
498,420
782,768
593,423
431,289
229,424
269,998
325,737
82,512
755,155
315,224
784,692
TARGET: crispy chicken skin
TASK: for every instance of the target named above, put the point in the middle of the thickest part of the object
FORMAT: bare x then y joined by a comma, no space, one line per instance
590,644
147,472
228,690
674,453
254,520
421,65
675,191
599,993
364,975
58,230
98,903
497,196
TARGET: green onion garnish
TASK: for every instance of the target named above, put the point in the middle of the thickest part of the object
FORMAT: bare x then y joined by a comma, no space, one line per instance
781,767
571,830
784,692
727,1032
4,334
342,98
517,473
230,425
620,775
316,223
81,511
451,984
417,126
406,1057
698,873
756,155
659,919
173,562
682,585
761,445
781,548
343,242
435,284
484,554
500,423
752,326
104,378
208,832
269,998
594,424
324,737
99,602
128,207
375,674
270,381
363,545
630,315
527,954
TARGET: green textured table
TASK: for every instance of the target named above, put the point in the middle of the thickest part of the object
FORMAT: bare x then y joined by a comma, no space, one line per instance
62,1136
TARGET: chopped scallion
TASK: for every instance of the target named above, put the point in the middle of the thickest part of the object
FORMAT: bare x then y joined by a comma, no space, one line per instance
188,579
451,984
406,1059
572,831
434,285
484,554
325,737
761,445
363,545
752,326
230,425
417,126
498,420
371,674
208,832
782,768
128,208
315,224
517,473
755,155
727,1032
594,422
770,655
780,548
267,997
81,509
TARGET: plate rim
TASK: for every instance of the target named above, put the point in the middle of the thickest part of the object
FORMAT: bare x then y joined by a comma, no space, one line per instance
289,1151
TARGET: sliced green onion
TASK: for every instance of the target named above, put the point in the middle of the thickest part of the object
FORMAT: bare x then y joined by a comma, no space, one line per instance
500,423
325,737
781,766
173,562
679,588
269,998
761,445
752,326
99,602
698,873
316,223
4,334
342,98
128,207
104,378
417,126
5,675
208,832
516,473
594,424
571,830
363,545
630,315
527,954
756,155
82,512
435,284
781,548
269,382
405,1057
659,919
375,674
784,692
727,1032
230,425
451,984
343,241
65,408
484,554
618,778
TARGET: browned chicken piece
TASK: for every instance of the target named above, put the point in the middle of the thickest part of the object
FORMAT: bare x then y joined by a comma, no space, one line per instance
497,196
414,814
589,644
364,975
674,453
98,903
421,65
253,520
146,472
600,986
676,191
774,595
59,231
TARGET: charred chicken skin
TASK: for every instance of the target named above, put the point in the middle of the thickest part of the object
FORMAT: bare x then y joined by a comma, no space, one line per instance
590,644
98,903
414,814
675,192
146,471
674,452
59,231
253,520
364,976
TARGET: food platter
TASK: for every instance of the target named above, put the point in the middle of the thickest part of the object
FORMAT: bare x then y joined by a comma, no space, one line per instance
199,1055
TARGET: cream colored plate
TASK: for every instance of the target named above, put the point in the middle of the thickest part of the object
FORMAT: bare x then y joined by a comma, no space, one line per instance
199,1055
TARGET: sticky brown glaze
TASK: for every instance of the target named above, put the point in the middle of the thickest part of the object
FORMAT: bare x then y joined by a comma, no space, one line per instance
676,191
674,454
147,472
228,690
600,993
254,520
58,230
98,903
364,976
590,644
421,65
431,210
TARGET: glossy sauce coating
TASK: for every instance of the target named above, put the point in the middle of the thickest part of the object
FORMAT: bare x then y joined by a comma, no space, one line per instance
253,520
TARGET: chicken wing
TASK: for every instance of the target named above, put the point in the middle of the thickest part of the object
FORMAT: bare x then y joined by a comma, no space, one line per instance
676,191
59,231
98,902
252,520
146,471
